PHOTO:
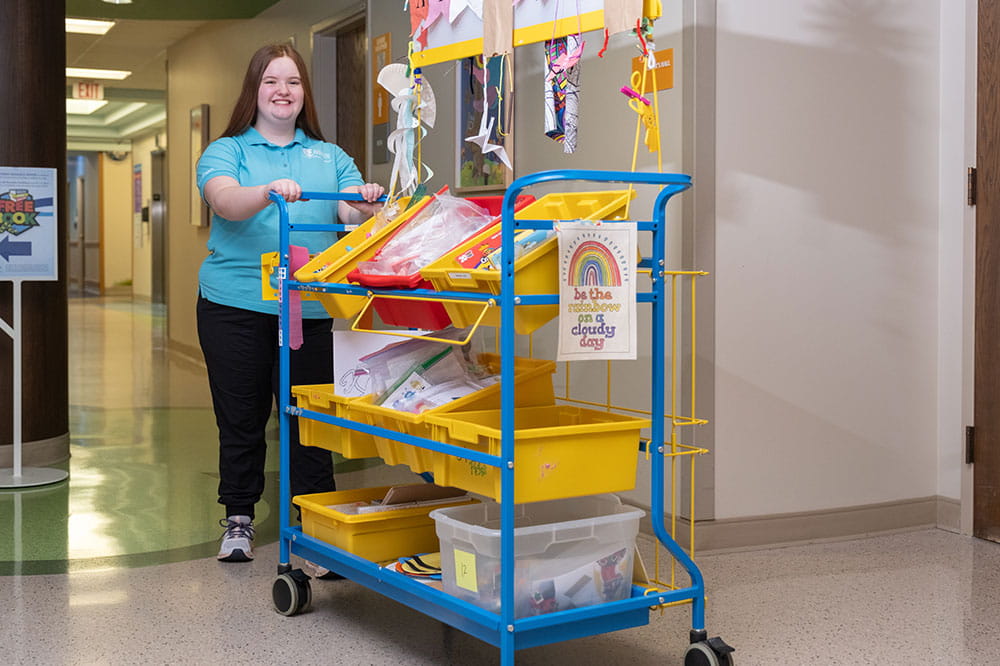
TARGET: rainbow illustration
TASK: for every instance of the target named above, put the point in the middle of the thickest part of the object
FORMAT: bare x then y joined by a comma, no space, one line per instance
593,265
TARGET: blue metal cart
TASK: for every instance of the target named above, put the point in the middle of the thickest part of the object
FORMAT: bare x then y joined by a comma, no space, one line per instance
291,591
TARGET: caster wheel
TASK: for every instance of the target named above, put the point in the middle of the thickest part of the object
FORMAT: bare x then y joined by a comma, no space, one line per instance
713,652
291,593
699,654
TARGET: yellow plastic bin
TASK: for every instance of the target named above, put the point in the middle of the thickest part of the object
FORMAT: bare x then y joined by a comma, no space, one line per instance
378,537
335,262
533,382
269,283
559,451
537,272
321,398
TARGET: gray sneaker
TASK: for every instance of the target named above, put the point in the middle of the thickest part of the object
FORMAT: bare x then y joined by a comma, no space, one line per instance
237,540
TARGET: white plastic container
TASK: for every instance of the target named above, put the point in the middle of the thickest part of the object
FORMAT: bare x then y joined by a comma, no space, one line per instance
568,553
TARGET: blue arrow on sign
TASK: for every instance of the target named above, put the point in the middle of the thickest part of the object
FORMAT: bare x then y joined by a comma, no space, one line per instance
9,248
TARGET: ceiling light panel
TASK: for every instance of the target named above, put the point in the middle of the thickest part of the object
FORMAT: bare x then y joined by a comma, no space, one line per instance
82,107
87,73
88,26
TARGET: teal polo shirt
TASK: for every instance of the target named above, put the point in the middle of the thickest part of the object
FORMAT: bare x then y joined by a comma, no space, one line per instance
230,275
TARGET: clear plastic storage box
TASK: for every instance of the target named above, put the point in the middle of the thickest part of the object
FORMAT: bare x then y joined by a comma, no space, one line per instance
568,553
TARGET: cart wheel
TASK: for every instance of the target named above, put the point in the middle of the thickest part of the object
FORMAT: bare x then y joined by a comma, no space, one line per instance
699,654
291,593
711,652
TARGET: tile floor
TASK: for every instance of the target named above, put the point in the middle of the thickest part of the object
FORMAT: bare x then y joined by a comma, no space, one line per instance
116,566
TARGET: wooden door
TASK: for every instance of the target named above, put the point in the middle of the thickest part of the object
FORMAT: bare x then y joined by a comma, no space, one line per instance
352,83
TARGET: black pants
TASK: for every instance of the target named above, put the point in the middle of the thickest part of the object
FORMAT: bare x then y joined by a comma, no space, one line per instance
241,353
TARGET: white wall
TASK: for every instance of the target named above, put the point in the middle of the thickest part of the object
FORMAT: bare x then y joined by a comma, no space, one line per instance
957,247
827,254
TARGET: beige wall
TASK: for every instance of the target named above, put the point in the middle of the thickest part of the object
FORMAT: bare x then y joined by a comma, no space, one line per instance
116,240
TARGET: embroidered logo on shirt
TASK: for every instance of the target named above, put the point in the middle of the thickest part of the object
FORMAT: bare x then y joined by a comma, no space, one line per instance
311,154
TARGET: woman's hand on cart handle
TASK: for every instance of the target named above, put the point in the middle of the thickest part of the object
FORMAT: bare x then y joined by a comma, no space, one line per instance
370,192
286,188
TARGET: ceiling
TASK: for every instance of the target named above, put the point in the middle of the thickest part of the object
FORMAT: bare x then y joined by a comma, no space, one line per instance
138,42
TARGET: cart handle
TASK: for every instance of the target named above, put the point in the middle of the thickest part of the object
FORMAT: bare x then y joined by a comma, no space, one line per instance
356,326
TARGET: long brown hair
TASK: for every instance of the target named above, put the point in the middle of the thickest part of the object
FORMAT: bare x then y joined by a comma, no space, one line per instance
245,111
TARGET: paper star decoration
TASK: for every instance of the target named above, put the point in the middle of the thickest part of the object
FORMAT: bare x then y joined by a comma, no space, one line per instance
458,6
483,138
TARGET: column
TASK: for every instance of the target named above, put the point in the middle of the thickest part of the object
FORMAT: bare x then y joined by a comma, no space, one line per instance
33,134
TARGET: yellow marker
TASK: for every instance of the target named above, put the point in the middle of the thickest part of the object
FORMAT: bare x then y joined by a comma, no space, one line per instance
465,571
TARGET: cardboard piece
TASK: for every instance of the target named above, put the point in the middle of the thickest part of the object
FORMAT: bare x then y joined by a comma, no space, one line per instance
419,492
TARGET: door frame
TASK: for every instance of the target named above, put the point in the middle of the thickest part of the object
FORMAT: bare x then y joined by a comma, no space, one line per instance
323,49
986,450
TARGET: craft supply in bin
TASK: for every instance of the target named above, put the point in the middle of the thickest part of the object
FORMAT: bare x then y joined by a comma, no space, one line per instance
567,553
334,263
561,451
419,313
466,267
321,398
533,387
377,536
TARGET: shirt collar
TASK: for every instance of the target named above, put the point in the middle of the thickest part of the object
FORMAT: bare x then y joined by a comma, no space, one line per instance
255,138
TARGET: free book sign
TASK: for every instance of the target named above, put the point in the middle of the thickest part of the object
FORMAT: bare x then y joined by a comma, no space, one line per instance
597,309
28,224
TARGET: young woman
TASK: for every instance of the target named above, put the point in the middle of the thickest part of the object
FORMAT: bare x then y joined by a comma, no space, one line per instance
273,144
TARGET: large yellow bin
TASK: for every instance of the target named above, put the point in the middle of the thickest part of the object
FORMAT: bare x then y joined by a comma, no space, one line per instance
380,536
533,382
536,272
562,451
321,398
335,262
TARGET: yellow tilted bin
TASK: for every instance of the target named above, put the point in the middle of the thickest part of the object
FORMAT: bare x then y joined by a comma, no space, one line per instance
560,451
321,398
466,268
335,262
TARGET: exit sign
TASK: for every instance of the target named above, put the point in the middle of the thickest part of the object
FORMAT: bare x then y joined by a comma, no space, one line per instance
88,90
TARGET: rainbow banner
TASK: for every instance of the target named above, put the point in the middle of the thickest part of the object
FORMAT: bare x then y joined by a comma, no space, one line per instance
597,308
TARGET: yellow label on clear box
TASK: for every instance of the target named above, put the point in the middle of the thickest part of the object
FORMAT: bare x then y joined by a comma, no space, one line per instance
465,571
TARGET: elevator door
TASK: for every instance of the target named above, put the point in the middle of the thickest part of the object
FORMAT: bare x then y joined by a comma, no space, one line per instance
158,228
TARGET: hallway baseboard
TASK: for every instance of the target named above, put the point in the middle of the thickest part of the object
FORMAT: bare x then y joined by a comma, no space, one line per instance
778,530
38,453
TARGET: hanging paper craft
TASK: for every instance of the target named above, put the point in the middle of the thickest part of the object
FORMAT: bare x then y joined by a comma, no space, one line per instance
418,16
621,15
458,5
495,111
498,27
414,103
597,308
562,89
462,34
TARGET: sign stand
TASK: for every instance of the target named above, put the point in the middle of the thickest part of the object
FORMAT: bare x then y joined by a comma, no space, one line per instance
28,205
19,477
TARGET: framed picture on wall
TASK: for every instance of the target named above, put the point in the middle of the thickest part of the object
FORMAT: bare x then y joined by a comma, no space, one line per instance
199,140
477,171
